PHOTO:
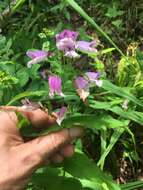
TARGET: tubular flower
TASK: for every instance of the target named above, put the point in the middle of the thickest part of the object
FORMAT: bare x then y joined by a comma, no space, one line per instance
82,88
61,114
83,84
66,41
67,34
37,56
86,46
55,85
93,78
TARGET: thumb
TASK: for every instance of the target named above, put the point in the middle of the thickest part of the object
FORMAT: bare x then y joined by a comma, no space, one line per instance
43,147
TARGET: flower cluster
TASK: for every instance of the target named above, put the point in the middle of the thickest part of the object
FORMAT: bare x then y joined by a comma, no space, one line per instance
82,84
66,41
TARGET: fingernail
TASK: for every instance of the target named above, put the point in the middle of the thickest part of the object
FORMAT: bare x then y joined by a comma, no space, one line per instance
76,132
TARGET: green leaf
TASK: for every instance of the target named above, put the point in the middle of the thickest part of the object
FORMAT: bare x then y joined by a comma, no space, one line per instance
128,114
26,94
107,85
50,178
132,185
113,12
114,138
33,71
90,171
86,121
18,4
132,115
23,76
117,23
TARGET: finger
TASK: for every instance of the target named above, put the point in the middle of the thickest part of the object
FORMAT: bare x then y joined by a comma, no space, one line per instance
44,147
39,118
57,159
8,122
67,151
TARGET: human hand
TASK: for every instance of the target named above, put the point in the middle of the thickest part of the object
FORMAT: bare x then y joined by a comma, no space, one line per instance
19,159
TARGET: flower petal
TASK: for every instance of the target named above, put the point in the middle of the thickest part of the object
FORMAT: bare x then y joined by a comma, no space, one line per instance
55,85
86,46
72,54
36,53
83,94
37,56
99,83
66,44
67,34
92,76
61,115
81,83
35,61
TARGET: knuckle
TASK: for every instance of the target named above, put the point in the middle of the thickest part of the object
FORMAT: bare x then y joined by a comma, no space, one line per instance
32,159
57,139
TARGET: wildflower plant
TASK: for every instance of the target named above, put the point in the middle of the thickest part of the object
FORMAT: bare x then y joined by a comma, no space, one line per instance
70,81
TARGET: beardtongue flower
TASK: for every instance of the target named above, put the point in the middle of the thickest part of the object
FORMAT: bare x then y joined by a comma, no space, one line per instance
61,114
86,46
66,41
83,84
82,87
55,85
66,44
67,34
93,78
37,56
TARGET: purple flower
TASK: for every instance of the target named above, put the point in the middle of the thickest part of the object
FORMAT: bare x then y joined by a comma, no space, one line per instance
55,85
37,56
72,54
86,46
93,78
82,87
67,34
66,41
66,44
61,115
81,83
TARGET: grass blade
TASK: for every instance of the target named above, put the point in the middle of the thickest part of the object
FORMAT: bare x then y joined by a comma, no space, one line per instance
132,185
107,85
115,136
129,115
